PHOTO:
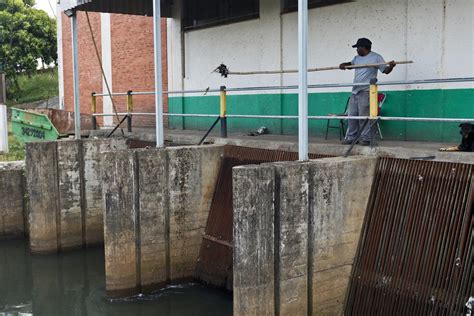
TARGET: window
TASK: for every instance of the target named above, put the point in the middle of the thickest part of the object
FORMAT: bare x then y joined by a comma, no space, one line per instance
292,5
202,13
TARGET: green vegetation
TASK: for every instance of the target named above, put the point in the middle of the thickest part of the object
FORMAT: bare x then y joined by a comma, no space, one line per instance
39,86
27,35
17,149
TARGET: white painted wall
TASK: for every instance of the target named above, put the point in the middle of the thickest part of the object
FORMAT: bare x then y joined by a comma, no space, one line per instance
106,45
436,34
59,25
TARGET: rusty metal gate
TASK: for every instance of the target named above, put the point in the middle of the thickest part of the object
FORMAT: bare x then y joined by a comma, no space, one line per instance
215,262
415,256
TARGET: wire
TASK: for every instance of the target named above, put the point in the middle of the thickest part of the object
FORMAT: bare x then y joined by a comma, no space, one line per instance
103,72
52,10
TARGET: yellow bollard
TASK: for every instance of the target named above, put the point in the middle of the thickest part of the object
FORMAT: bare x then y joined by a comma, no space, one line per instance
94,110
374,99
94,103
223,102
223,112
129,102
129,110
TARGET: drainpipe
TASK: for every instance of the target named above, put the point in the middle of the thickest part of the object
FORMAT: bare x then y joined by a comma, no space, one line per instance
303,80
158,74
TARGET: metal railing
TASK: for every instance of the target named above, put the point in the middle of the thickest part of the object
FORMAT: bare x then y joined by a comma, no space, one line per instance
223,91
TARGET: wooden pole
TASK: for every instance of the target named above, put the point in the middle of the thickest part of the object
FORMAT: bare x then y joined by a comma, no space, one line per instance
314,69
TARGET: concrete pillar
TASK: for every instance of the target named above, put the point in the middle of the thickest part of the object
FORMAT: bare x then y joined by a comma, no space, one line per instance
120,226
157,204
193,173
154,219
93,207
41,170
12,206
254,213
340,189
291,238
69,191
66,206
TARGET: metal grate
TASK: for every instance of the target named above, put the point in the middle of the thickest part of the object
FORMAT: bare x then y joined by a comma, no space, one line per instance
415,256
215,262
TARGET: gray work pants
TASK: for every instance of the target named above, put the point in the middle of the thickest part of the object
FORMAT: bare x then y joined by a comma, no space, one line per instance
358,106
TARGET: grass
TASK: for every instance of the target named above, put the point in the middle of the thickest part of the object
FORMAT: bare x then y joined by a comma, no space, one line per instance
16,148
40,86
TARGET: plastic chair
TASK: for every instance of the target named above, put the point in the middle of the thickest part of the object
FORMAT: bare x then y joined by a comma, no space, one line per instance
340,126
381,98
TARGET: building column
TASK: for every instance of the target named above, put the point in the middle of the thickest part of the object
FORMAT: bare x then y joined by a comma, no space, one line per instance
106,44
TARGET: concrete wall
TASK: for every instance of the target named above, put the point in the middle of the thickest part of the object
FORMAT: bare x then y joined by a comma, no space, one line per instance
125,44
156,207
12,200
432,33
65,193
296,231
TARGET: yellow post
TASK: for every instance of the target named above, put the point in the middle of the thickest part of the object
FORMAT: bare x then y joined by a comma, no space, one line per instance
129,102
94,110
223,102
374,99
223,119
94,103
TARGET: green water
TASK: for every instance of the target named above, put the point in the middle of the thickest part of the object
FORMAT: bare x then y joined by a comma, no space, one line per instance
74,284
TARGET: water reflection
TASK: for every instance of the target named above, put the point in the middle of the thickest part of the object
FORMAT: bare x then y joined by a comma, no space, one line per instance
73,284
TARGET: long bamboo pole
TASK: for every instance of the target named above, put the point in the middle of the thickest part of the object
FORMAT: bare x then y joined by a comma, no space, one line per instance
224,71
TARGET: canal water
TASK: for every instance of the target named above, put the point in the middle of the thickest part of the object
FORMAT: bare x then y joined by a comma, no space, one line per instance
74,284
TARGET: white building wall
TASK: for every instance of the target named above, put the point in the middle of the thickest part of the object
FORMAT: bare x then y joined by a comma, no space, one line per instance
436,34
59,28
106,45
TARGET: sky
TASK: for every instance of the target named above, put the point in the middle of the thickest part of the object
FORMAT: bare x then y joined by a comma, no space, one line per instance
47,5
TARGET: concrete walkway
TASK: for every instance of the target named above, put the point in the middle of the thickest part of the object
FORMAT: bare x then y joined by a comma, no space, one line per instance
395,149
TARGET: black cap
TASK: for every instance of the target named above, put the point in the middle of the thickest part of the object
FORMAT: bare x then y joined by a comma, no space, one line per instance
363,42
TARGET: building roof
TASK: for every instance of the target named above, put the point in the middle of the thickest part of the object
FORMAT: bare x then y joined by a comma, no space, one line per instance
137,7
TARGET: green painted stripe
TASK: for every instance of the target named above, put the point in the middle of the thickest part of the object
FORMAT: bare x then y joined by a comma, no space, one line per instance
443,103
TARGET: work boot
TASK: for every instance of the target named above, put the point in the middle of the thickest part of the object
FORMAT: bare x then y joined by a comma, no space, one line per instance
366,143
347,142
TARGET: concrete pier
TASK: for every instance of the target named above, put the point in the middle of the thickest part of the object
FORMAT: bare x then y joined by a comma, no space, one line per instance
65,195
12,200
156,207
299,262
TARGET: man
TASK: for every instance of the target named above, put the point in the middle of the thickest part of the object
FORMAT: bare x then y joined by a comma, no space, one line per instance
359,102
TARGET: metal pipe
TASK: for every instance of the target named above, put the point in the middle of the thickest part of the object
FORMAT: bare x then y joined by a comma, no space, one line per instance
295,87
303,80
160,139
75,78
314,117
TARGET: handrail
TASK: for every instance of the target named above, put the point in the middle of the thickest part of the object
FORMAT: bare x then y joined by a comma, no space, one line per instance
294,87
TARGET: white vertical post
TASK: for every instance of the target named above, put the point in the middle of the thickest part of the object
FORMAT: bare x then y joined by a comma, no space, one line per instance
3,115
75,78
160,142
59,25
303,80
3,129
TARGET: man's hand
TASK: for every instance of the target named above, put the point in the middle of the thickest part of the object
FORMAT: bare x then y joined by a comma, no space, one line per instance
344,65
390,67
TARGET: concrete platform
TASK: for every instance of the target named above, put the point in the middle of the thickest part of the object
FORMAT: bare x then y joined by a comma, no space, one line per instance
386,148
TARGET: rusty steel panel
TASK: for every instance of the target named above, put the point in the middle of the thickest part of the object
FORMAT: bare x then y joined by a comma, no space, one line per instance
415,256
64,120
215,261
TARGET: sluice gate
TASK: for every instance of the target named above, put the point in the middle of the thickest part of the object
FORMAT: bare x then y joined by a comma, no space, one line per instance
215,262
415,256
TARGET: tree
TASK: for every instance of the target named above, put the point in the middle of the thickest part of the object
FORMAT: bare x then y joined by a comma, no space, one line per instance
26,36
